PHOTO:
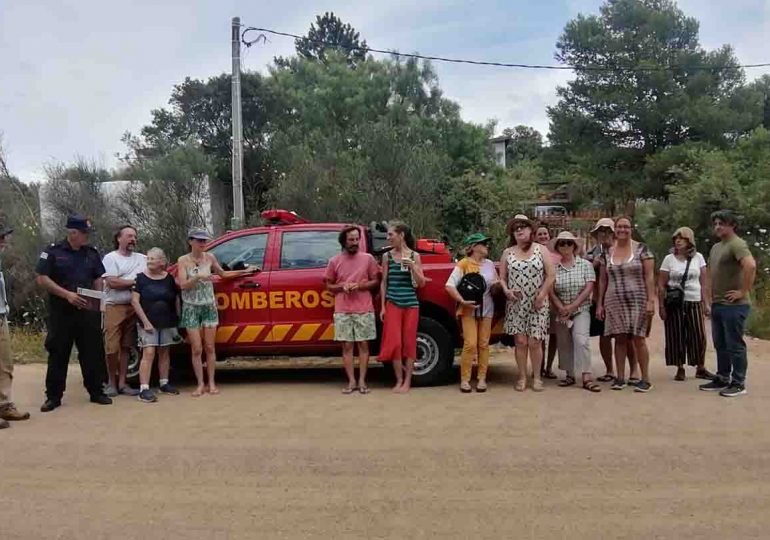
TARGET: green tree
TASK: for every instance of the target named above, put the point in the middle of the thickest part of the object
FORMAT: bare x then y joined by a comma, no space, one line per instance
486,201
167,196
371,143
526,144
643,83
330,33
19,209
200,113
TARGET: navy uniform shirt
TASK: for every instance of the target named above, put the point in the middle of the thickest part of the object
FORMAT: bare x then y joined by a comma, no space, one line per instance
70,268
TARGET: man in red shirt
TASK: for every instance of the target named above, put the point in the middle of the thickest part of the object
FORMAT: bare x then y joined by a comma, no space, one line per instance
351,276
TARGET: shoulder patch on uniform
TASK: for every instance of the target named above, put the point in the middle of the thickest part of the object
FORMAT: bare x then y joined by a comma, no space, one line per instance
44,255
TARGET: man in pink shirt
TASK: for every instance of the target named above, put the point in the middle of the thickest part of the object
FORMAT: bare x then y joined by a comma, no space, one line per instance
351,276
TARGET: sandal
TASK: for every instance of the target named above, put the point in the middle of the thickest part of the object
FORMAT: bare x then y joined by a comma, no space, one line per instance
465,387
606,378
481,386
349,390
520,386
592,386
569,381
537,385
364,389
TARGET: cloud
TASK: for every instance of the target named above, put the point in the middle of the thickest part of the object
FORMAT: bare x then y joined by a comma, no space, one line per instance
92,69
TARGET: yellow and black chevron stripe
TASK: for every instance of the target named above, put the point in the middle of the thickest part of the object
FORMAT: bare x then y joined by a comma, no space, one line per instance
277,333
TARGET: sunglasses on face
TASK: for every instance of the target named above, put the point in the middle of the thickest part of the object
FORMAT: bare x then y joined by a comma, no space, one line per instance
565,243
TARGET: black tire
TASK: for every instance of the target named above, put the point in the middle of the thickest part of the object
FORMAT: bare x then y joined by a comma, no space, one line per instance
435,354
134,359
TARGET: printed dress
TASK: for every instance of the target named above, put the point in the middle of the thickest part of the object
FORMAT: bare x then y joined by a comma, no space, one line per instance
527,277
626,295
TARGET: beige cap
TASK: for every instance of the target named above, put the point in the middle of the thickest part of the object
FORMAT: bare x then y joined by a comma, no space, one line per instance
566,235
604,222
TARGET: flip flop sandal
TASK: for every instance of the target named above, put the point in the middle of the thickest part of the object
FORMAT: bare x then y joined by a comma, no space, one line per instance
592,387
349,390
364,389
569,381
606,378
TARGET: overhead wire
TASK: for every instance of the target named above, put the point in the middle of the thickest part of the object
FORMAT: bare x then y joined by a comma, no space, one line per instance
249,43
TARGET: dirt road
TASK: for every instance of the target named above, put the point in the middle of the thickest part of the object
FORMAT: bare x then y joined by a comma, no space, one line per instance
282,454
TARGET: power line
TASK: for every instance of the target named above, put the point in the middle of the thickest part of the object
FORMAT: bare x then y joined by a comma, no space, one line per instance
494,64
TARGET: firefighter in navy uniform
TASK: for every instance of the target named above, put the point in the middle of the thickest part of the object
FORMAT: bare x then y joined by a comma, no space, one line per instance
61,269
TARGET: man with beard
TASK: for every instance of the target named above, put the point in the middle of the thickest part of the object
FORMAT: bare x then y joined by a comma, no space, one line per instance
351,276
121,268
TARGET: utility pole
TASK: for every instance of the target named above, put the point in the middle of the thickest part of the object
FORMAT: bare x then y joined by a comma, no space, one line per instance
238,217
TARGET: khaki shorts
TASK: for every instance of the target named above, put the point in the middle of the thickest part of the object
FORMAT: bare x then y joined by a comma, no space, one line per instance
354,327
119,328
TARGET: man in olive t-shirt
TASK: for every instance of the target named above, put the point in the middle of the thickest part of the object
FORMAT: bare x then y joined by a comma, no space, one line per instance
733,270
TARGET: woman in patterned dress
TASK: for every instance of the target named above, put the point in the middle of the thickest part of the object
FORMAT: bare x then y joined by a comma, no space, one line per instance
627,301
526,275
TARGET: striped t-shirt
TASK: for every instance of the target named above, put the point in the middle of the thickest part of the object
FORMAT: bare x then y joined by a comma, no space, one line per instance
399,289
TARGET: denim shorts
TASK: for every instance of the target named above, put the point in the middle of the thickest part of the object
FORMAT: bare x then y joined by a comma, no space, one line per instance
159,337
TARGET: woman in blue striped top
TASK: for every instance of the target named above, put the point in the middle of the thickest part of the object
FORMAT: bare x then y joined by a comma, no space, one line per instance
401,276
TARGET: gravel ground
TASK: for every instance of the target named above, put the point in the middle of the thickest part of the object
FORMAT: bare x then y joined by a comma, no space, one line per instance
282,454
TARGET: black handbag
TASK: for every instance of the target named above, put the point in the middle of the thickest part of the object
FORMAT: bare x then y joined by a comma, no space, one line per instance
674,299
472,287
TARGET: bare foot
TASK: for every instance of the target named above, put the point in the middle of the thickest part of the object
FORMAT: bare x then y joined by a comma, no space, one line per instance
213,390
397,388
521,385
199,391
404,389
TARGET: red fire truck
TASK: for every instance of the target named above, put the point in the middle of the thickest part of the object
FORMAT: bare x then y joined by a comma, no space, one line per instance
285,310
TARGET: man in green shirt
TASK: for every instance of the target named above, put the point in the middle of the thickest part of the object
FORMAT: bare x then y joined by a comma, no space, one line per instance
8,410
733,270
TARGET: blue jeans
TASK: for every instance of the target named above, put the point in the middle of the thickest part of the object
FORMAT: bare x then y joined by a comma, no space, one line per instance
728,324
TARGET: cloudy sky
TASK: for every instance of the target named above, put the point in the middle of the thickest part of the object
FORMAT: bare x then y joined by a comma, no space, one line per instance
77,74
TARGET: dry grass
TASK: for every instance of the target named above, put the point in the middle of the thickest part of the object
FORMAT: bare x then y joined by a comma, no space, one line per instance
28,347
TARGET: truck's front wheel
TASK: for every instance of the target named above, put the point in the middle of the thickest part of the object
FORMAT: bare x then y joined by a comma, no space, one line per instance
435,354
